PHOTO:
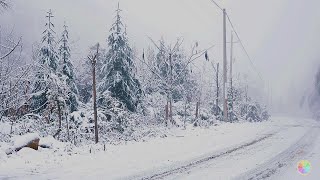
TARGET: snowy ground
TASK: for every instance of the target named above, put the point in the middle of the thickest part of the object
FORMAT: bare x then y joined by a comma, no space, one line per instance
228,151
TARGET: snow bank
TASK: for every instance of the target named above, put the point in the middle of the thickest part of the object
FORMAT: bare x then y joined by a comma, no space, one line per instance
50,142
27,152
21,141
5,127
3,147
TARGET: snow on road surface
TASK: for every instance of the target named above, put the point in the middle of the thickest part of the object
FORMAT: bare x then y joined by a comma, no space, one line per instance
235,164
312,155
287,160
221,152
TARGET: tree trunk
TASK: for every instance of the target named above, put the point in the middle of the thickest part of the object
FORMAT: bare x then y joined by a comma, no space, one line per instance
167,112
171,117
59,113
197,110
68,132
185,114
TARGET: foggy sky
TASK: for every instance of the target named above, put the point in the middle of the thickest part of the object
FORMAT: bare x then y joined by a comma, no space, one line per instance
281,36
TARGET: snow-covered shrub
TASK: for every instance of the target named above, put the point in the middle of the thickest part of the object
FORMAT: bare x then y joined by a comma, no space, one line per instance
265,114
255,113
154,104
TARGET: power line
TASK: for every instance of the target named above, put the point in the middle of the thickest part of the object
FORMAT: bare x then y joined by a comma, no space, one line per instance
244,49
240,41
217,5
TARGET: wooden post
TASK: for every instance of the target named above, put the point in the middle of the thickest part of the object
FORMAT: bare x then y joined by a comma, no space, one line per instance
59,113
68,132
95,96
167,112
197,109
171,118
217,84
93,60
185,114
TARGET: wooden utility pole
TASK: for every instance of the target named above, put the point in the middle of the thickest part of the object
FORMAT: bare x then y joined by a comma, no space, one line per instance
59,112
225,114
246,93
231,61
197,110
217,83
93,60
171,87
167,111
271,103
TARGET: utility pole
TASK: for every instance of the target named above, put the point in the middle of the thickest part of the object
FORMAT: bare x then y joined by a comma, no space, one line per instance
231,61
171,84
217,83
225,115
271,100
93,60
247,100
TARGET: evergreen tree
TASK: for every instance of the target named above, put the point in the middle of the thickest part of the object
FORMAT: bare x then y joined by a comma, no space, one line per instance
47,60
117,72
48,55
67,72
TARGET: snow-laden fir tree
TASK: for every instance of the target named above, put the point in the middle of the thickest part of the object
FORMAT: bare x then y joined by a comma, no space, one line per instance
47,60
67,71
50,92
117,72
48,54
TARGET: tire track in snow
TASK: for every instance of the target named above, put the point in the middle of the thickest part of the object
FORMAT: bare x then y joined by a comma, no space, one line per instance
183,168
274,165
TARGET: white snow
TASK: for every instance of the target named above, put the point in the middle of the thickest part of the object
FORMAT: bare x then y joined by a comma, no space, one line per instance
313,156
20,141
145,158
5,127
50,142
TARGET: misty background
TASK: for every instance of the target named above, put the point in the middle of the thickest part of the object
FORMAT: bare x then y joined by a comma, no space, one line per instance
281,36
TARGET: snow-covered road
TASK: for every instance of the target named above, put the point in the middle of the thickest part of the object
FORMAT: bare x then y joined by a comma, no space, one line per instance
270,156
228,151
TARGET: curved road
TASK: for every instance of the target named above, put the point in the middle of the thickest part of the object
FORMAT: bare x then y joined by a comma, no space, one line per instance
266,157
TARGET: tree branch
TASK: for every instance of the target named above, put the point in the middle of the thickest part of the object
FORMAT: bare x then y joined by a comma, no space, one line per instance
6,55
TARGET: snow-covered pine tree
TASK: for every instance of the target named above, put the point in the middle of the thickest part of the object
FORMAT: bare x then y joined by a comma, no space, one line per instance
117,72
67,70
47,60
50,91
233,100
